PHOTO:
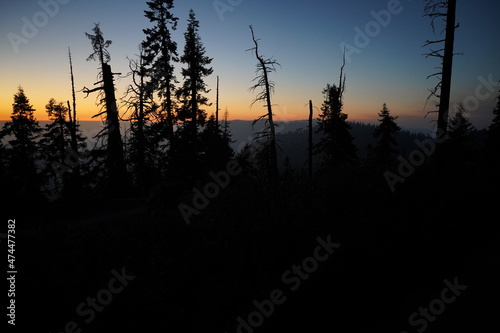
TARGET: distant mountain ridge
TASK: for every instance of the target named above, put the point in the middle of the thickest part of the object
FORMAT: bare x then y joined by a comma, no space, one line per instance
291,137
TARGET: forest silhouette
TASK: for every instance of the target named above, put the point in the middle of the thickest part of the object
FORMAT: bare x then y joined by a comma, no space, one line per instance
210,234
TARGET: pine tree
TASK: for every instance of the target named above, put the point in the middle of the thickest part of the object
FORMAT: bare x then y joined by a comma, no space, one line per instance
62,160
216,145
160,52
493,135
461,135
225,127
336,145
186,157
190,94
384,151
23,132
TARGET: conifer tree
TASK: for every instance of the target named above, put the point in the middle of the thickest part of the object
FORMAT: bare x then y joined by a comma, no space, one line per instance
62,160
190,94
461,134
385,132
186,159
23,132
493,134
216,145
337,143
160,54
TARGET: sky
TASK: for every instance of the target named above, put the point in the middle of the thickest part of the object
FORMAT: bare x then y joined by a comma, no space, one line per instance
383,39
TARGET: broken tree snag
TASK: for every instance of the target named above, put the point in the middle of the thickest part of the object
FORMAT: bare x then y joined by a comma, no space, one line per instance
115,161
115,144
263,68
443,9
310,145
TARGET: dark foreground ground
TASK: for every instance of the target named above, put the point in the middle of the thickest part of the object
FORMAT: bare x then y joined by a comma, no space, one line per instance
396,251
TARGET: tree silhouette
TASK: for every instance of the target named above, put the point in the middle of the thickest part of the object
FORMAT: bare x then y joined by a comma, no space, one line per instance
216,145
72,113
226,122
384,151
445,9
310,149
461,135
267,151
160,52
115,161
75,183
185,159
190,94
493,135
23,152
143,145
57,147
336,144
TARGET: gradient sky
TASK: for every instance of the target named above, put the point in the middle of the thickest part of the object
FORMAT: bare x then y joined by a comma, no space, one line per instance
303,36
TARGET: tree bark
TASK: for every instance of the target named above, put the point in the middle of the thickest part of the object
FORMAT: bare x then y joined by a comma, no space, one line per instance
116,160
444,99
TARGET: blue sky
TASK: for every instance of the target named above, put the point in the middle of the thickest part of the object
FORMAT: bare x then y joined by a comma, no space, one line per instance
305,37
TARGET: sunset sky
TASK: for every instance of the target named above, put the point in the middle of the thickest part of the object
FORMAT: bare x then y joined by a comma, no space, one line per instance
305,37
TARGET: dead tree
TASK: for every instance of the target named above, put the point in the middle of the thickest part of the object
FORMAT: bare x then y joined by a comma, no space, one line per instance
445,9
115,156
217,104
139,100
75,187
264,67
72,113
310,141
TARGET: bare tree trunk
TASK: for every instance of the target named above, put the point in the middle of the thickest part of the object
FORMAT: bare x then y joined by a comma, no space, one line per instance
116,162
76,185
272,138
72,117
310,151
267,98
217,104
444,100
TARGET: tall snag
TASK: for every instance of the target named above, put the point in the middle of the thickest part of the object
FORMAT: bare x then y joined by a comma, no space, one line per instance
445,9
143,145
264,67
310,141
115,156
